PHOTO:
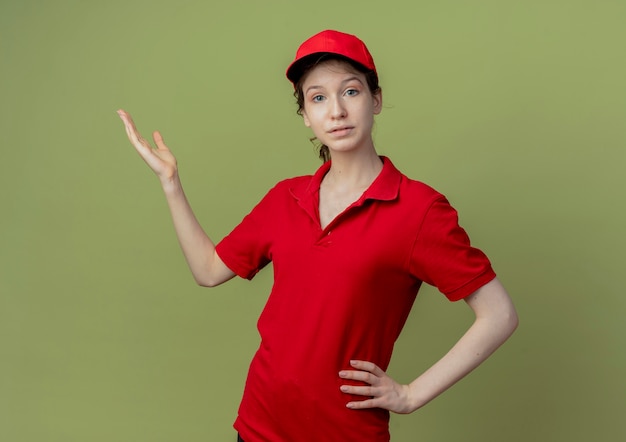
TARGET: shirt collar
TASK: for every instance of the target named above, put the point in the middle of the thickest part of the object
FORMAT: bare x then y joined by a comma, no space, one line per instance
384,188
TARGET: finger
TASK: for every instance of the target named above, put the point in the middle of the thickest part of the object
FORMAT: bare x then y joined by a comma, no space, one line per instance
359,405
360,390
126,118
158,140
140,144
367,366
363,376
131,129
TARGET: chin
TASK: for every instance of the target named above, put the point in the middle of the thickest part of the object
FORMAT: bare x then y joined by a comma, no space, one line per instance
346,145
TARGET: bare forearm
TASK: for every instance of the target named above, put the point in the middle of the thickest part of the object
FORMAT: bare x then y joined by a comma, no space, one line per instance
478,343
495,320
199,250
206,266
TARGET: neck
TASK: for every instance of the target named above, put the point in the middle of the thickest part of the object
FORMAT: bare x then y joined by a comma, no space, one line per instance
354,169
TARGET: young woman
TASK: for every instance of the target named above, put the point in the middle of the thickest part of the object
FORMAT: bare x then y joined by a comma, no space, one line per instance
350,246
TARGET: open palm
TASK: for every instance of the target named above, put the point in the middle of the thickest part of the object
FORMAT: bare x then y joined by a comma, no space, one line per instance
160,160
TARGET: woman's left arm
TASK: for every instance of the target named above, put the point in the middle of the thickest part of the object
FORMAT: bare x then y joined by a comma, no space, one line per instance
496,319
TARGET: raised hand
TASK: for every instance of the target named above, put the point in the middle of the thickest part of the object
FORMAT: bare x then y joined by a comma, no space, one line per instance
382,391
160,160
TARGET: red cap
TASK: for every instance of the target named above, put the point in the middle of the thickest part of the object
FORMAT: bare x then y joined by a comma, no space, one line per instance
331,42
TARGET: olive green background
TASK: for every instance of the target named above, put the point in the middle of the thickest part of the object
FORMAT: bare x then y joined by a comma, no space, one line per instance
515,110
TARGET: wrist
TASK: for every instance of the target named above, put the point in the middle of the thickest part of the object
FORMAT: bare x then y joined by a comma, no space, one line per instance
171,184
416,398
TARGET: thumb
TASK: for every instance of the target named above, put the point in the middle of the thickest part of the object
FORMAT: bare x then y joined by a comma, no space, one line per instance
158,140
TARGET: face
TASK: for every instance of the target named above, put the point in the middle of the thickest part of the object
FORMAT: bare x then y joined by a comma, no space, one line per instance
339,107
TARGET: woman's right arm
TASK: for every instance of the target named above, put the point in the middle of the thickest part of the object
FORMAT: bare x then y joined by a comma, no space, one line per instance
206,266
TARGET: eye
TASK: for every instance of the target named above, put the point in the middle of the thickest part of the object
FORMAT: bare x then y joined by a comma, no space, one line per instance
317,98
352,92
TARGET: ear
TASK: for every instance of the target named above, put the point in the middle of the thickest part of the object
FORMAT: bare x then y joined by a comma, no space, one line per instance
378,101
306,120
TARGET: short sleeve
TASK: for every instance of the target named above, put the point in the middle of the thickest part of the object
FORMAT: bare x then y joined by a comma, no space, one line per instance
443,257
246,249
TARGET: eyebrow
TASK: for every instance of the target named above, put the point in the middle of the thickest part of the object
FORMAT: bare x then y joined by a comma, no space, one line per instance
347,80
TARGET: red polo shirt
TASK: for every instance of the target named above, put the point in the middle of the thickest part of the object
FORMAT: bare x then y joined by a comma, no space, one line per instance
340,293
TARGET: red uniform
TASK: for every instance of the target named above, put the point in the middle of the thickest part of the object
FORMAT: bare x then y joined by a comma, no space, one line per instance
340,293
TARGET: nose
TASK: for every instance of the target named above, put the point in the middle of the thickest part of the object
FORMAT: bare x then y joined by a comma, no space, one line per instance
337,108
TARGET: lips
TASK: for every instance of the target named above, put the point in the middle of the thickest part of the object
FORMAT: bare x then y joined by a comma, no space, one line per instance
341,130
